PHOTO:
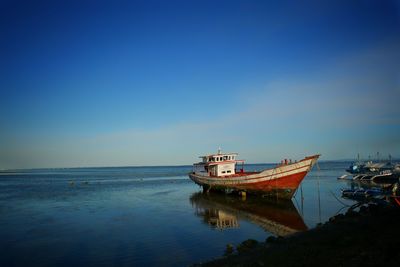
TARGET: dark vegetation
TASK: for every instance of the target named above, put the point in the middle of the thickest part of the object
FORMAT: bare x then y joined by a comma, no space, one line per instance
368,236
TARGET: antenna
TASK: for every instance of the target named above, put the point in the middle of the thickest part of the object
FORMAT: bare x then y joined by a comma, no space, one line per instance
219,150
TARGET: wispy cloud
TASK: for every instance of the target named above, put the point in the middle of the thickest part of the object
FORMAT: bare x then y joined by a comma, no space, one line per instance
346,107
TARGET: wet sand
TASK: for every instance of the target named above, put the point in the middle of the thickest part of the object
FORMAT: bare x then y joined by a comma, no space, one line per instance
369,236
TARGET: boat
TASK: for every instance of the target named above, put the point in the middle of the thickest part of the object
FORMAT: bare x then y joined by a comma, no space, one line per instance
345,177
384,176
361,193
223,212
381,171
218,172
380,175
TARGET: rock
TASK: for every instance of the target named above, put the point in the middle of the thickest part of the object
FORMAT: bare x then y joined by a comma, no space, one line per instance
246,245
229,249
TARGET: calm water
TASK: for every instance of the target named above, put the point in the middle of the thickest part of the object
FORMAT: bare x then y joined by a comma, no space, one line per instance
144,216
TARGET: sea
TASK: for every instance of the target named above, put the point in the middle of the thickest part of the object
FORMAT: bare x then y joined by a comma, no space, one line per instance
147,216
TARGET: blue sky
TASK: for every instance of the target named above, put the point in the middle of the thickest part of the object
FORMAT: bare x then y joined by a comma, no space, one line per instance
125,83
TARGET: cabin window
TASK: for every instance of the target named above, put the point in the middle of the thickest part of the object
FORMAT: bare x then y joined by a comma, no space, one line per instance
223,171
220,158
229,171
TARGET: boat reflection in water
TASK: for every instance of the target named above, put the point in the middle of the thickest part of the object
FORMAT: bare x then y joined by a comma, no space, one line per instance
280,218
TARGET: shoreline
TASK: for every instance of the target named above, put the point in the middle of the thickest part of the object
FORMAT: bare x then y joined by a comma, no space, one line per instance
367,237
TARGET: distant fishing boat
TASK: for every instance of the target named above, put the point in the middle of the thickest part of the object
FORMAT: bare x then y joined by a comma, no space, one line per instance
218,172
377,172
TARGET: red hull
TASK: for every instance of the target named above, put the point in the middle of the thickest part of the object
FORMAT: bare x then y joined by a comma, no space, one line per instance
287,182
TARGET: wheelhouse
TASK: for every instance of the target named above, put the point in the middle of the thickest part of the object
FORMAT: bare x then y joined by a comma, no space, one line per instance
220,164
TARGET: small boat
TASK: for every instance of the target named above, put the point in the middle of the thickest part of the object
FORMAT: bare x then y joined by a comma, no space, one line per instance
366,177
345,177
348,192
373,192
359,193
218,172
381,171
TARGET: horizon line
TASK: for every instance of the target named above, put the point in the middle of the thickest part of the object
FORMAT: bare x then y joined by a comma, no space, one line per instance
179,165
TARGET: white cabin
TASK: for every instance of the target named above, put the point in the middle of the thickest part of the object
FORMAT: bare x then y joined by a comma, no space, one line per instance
221,164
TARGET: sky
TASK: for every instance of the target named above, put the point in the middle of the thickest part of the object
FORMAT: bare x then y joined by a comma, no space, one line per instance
133,83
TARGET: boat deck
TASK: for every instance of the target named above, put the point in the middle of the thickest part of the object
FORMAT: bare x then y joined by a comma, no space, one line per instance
238,174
